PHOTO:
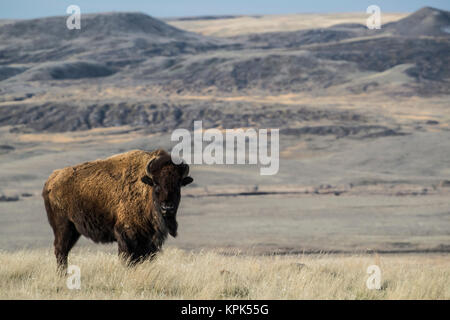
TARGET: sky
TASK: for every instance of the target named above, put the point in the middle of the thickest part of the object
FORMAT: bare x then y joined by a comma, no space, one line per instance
26,9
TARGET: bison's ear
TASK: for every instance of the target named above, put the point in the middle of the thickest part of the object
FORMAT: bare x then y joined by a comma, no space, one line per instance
147,180
186,181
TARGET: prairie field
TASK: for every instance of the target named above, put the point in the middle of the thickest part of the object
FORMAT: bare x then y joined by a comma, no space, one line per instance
238,25
178,274
364,141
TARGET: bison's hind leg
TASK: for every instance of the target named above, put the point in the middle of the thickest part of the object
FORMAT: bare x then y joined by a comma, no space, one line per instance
66,235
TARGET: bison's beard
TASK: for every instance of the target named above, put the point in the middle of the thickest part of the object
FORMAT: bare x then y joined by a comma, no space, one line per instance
172,226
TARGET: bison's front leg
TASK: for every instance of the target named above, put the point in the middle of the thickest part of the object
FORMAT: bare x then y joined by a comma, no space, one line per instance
132,249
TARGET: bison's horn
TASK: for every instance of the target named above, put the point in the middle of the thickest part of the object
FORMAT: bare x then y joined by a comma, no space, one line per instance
185,170
148,169
182,165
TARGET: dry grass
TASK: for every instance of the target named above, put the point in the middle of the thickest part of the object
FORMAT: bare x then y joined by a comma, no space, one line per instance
177,274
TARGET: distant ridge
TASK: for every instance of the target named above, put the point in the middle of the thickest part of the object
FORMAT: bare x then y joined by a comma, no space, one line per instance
116,38
114,23
424,22
195,18
133,49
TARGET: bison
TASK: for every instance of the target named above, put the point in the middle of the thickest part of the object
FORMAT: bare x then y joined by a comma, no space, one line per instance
131,198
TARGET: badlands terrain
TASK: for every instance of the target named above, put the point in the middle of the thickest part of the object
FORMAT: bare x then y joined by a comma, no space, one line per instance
363,116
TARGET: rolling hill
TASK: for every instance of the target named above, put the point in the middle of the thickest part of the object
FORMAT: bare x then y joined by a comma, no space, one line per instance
43,63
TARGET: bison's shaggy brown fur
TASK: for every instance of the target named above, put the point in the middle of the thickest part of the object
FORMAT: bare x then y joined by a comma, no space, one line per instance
131,198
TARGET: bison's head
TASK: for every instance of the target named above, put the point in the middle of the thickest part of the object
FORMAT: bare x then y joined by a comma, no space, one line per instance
166,179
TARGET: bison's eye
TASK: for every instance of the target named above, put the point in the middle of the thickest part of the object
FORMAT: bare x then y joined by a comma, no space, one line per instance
157,189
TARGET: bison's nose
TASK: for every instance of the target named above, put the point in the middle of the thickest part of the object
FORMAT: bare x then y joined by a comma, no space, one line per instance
168,207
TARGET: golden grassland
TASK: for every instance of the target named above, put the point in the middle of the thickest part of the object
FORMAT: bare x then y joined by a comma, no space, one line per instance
177,274
275,23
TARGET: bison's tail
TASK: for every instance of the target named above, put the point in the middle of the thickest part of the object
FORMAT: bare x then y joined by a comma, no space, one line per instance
45,190
45,193
48,207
